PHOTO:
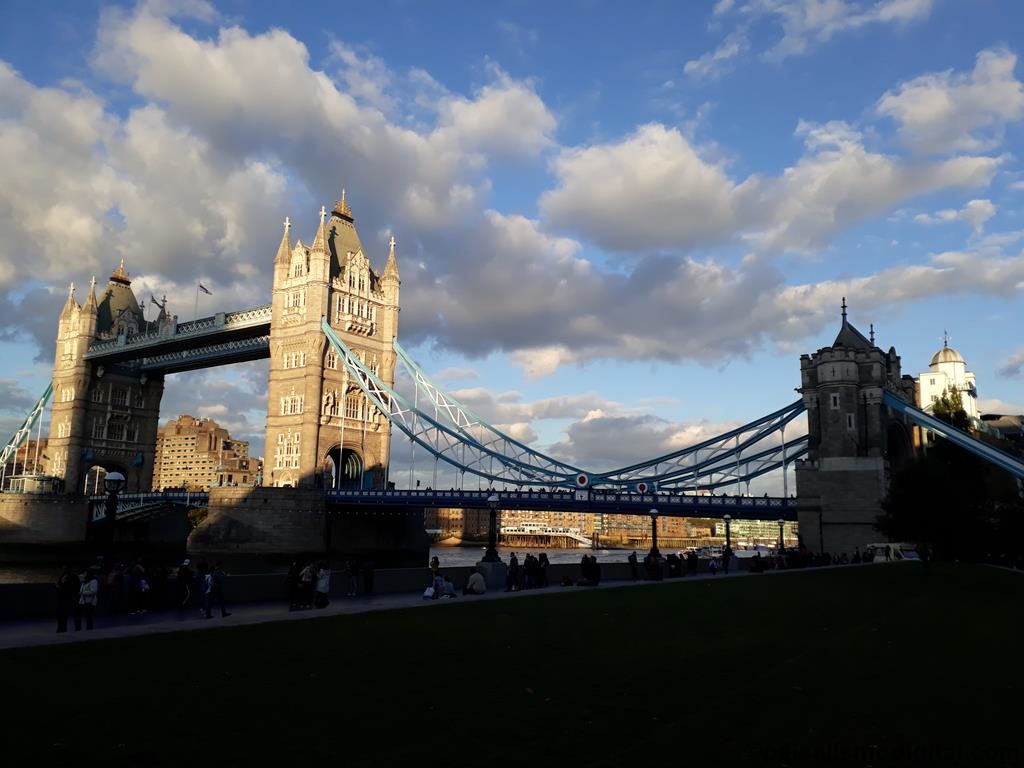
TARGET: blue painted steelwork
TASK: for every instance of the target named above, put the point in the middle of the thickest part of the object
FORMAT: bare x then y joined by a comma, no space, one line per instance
25,429
137,506
472,445
993,455
592,501
466,421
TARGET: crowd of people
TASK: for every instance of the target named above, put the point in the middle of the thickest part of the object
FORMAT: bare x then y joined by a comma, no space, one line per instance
115,588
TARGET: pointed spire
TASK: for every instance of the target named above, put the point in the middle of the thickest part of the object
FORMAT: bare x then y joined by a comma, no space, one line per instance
945,338
320,241
70,305
872,336
120,275
391,268
284,251
844,309
341,207
90,301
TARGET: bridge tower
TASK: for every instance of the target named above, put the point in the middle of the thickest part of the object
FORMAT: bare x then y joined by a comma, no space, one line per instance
321,430
854,441
102,416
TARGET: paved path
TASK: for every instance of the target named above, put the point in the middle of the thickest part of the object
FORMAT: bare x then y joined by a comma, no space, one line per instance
38,632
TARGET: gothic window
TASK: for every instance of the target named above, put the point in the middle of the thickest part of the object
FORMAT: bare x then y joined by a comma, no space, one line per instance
119,397
834,401
115,431
64,429
132,433
331,360
849,421
352,408
98,428
291,405
69,348
67,394
140,399
97,394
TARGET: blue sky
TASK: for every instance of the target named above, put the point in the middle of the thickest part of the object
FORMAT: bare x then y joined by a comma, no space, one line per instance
612,221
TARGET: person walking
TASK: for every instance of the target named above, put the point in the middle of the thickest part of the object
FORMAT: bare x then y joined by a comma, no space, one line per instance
217,579
68,588
185,579
88,593
633,566
205,583
306,578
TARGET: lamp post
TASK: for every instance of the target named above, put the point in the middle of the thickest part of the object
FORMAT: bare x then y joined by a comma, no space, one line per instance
728,531
113,484
654,534
782,541
491,555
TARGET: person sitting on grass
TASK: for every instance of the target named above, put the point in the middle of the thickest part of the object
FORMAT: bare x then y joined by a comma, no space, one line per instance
476,584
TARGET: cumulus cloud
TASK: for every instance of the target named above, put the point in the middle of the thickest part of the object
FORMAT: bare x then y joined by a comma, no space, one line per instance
975,213
948,112
654,190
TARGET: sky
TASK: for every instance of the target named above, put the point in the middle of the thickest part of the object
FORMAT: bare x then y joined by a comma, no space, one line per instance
618,226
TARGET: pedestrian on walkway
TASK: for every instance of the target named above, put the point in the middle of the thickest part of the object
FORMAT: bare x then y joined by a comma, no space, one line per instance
217,579
726,559
68,588
185,579
542,563
713,566
88,593
323,585
306,578
205,584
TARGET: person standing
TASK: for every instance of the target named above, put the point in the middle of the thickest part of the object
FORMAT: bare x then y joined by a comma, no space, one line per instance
217,579
633,566
323,585
543,564
205,584
726,559
306,578
88,592
68,588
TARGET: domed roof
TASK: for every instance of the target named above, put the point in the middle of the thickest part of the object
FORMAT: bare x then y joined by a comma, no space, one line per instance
117,300
947,355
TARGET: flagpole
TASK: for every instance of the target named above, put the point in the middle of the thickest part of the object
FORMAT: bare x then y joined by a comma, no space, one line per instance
195,309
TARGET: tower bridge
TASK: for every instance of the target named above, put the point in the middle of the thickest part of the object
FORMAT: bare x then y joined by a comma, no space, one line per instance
330,332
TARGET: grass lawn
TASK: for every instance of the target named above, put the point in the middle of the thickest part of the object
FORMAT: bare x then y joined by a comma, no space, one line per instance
860,666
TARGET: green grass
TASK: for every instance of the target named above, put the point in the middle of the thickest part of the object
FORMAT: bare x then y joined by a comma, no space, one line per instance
840,667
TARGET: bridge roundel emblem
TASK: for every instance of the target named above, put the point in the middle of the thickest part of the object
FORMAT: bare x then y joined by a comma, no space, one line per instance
641,487
582,480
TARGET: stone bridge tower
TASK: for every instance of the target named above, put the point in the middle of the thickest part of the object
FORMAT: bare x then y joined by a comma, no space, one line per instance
854,441
321,429
102,416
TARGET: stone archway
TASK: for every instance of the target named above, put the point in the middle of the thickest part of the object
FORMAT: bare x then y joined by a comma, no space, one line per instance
91,482
343,469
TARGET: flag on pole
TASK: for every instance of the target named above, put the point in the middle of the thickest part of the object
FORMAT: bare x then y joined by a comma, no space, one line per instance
205,290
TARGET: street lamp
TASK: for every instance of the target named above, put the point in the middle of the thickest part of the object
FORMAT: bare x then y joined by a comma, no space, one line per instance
491,555
654,534
113,484
782,541
728,531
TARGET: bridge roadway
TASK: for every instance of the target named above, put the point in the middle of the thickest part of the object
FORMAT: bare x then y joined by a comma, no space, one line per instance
137,505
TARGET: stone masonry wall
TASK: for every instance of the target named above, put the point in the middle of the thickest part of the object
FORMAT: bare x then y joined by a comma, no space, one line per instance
27,519
261,520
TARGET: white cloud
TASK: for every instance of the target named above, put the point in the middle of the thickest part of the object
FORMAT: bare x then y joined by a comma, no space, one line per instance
654,190
946,112
975,213
455,374
716,62
1013,364
1017,186
808,23
995,405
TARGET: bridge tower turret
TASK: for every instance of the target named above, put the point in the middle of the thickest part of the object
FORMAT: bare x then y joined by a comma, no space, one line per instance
853,439
321,430
103,418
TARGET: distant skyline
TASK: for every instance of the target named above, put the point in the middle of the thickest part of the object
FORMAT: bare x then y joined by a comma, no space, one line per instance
617,229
